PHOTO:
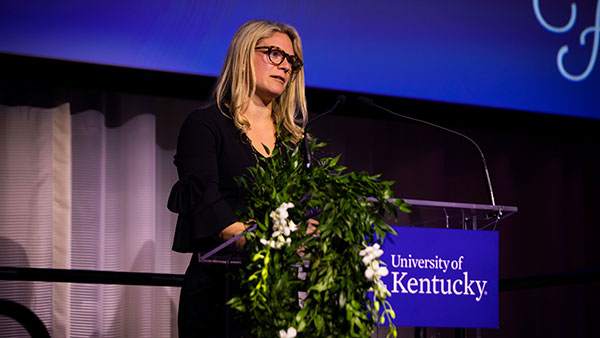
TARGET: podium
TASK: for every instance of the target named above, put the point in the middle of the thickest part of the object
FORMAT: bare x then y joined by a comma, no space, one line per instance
444,265
451,215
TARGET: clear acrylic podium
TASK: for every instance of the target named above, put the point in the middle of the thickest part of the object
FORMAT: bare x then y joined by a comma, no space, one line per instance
424,213
452,215
433,214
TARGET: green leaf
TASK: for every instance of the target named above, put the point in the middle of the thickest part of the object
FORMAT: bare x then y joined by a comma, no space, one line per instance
319,323
334,161
301,326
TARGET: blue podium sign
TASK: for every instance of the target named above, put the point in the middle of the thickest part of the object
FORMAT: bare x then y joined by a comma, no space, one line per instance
442,277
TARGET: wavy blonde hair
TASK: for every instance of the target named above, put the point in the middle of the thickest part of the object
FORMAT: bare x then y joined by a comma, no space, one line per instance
237,83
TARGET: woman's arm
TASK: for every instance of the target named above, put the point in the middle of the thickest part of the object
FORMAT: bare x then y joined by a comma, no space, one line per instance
203,211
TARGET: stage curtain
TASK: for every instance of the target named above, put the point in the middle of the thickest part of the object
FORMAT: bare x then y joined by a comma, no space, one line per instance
78,193
35,210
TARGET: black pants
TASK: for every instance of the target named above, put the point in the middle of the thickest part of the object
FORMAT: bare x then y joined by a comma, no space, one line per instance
202,309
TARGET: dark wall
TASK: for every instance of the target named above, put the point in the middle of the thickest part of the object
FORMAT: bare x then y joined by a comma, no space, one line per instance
545,165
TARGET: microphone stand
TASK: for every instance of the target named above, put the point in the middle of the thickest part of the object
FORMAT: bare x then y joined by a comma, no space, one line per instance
488,181
341,99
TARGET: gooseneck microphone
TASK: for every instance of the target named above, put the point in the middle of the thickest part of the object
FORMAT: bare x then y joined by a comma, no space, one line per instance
340,99
370,102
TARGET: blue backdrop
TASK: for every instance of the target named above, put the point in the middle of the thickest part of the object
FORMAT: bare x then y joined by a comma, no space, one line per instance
515,54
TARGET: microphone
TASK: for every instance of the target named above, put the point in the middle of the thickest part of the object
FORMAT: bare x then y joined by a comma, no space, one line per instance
340,99
488,182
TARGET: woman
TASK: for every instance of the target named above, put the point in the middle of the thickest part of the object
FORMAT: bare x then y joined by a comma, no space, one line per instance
259,99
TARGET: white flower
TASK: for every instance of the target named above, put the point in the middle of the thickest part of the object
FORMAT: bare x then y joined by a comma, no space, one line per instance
370,253
282,227
291,333
293,226
278,243
374,271
286,230
383,271
276,218
342,300
381,290
280,215
369,273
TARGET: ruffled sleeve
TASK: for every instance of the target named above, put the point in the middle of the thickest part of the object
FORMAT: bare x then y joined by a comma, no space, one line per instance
185,194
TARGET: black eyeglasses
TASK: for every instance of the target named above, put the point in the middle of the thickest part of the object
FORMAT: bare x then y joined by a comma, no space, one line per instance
276,57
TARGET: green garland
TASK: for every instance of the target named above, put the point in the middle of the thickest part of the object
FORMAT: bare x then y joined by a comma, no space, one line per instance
340,259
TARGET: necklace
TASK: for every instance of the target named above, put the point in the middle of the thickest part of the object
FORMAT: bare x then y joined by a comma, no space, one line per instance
256,153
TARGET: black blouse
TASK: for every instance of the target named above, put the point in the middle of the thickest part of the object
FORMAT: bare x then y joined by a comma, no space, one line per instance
211,151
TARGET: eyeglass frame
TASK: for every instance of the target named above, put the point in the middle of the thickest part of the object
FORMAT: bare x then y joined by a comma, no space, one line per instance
295,66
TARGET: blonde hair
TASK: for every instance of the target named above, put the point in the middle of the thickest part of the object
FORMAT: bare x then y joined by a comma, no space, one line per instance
237,83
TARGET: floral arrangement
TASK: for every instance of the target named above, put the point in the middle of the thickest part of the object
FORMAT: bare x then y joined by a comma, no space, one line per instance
325,283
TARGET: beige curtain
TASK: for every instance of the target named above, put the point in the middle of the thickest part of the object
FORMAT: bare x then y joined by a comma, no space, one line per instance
35,210
77,194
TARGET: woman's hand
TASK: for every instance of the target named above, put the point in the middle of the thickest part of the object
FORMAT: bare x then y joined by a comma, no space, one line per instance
310,229
312,226
234,230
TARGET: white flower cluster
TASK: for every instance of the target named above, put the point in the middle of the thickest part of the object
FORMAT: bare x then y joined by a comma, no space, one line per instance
290,333
375,270
282,227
